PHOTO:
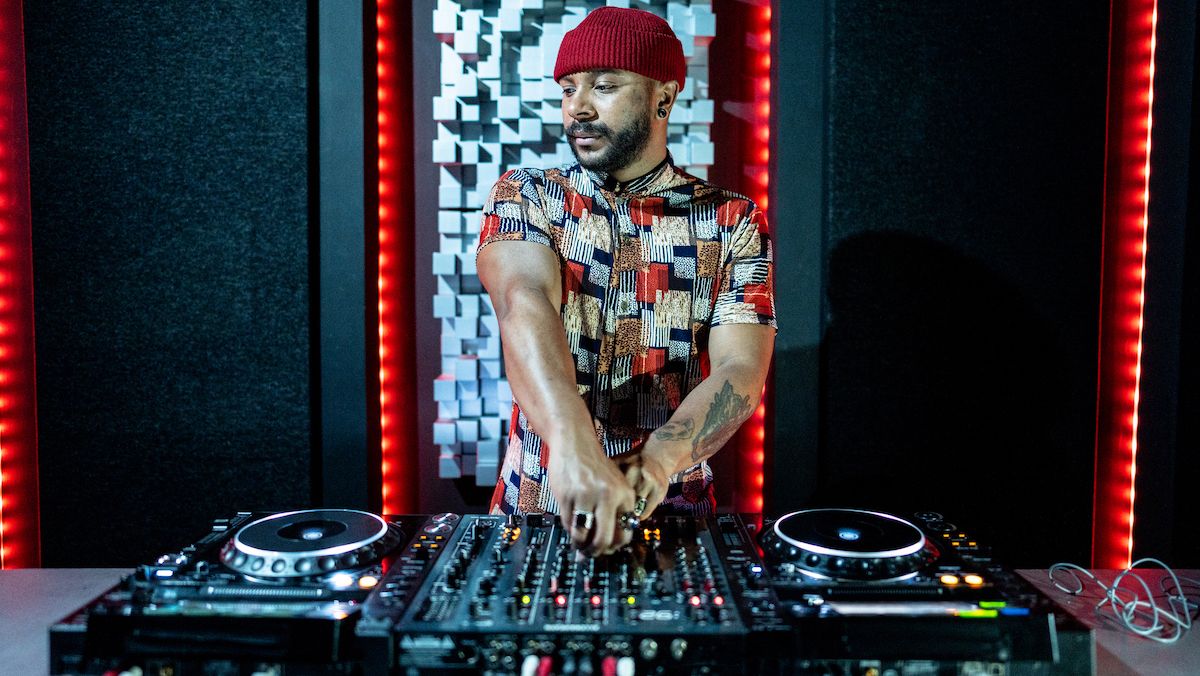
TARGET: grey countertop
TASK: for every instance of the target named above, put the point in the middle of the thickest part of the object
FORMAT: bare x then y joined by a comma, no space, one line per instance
1118,651
33,599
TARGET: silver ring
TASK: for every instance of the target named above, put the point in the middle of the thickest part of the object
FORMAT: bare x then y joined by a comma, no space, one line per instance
639,506
629,521
584,519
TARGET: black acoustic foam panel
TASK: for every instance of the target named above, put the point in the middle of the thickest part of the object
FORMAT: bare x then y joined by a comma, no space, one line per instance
170,199
961,248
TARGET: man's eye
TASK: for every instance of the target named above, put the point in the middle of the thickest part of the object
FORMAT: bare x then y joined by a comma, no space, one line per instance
605,87
568,91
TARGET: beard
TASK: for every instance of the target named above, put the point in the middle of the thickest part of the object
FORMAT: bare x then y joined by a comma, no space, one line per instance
624,145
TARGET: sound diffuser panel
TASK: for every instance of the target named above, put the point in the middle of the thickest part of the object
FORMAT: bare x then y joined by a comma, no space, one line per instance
498,109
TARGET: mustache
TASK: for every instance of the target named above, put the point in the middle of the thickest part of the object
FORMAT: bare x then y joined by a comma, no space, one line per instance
587,129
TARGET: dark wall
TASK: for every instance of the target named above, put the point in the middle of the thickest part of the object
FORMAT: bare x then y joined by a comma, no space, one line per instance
962,157
170,230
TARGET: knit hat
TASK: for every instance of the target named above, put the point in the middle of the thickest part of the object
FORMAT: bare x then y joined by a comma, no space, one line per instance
626,39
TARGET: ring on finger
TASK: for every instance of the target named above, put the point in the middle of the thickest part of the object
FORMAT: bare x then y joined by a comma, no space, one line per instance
583,519
640,505
629,521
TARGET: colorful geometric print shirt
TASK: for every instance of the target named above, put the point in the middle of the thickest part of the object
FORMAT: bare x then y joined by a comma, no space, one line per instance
647,269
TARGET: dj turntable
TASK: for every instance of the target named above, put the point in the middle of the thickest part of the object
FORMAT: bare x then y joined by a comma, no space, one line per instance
334,591
260,592
856,584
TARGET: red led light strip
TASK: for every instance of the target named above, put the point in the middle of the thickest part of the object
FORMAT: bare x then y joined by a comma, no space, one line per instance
1133,25
752,441
395,275
19,545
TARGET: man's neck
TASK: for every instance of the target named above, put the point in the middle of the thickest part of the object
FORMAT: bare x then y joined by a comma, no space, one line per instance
645,164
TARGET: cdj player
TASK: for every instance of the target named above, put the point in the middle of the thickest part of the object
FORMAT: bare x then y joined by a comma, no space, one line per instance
261,593
820,591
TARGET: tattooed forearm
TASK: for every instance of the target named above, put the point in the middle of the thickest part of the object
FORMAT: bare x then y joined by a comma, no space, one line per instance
727,411
676,431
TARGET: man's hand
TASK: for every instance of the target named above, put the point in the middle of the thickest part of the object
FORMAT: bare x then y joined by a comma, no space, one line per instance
584,480
647,475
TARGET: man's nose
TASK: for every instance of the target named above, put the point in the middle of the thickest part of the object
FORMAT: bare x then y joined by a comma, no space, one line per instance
580,107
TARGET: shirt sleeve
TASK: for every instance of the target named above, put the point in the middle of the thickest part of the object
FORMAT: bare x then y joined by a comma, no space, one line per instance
747,291
514,212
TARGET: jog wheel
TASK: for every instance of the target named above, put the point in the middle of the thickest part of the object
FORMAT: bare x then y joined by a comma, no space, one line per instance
309,542
848,544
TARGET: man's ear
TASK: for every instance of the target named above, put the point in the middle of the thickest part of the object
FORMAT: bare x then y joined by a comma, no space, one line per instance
666,93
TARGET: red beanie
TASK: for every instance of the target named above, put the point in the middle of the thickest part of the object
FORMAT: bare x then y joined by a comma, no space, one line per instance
626,39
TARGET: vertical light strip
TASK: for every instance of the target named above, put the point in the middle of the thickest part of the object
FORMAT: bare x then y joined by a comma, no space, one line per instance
395,278
1133,29
19,546
383,91
753,437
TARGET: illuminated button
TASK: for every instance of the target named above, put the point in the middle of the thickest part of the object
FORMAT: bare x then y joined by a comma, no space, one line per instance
596,599
560,600
341,580
949,580
992,604
973,580
631,600
718,600
525,599
695,601
982,612
367,581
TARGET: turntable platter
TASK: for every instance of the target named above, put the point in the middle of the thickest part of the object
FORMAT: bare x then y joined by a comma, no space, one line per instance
309,542
848,544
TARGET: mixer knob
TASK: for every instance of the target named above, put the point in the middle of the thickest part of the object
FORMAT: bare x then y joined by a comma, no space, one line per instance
679,648
813,560
648,649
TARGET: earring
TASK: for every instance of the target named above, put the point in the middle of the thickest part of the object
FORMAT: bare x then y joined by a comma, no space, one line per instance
662,112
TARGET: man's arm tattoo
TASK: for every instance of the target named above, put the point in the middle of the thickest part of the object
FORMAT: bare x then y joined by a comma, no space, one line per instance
676,431
727,411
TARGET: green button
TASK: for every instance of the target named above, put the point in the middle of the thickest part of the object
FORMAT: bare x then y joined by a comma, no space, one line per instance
977,613
992,604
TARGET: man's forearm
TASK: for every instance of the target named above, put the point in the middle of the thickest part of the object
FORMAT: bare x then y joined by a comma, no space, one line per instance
538,362
708,416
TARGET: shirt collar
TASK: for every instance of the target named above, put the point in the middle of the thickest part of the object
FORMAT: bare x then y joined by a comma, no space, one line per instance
635,186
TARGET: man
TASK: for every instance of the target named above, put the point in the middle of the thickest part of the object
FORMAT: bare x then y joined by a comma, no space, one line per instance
634,300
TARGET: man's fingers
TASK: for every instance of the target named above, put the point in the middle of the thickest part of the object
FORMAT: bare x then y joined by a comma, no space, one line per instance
565,509
603,533
581,524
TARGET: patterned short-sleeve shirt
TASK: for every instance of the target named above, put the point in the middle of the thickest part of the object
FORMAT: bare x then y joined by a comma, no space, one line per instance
647,269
